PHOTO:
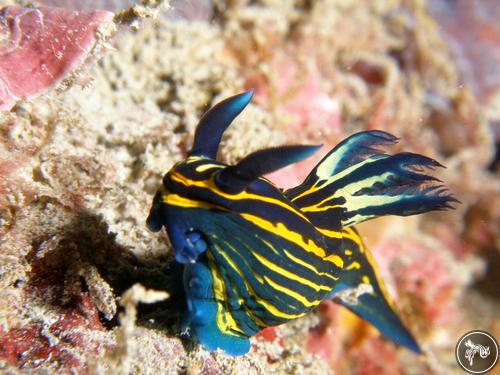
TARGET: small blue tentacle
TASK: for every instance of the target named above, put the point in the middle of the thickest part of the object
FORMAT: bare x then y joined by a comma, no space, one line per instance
154,221
187,245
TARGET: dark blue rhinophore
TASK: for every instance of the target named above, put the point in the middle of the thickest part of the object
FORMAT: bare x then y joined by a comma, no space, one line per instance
215,121
235,178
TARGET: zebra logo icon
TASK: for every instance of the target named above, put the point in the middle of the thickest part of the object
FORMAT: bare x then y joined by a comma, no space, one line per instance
477,352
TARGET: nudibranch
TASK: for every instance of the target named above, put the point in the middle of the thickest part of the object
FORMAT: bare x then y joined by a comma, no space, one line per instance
256,256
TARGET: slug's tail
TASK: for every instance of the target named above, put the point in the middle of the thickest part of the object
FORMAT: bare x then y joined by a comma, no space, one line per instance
356,181
361,290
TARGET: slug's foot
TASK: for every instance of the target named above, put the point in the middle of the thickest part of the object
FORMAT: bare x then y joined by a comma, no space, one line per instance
194,245
201,321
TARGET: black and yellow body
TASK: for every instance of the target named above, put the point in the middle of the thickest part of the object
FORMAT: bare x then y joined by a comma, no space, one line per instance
256,256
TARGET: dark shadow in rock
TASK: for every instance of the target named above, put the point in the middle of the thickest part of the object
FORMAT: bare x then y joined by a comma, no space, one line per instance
57,258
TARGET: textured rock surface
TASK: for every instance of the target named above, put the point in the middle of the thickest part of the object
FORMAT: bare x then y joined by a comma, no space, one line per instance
79,167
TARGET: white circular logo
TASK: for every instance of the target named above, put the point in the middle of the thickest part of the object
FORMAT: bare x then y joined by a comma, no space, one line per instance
477,352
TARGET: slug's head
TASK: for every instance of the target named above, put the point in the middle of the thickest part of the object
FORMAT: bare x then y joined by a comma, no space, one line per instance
200,184
206,143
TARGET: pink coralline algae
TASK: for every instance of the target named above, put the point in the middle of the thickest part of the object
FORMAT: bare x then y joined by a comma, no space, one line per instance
424,274
321,116
39,46
474,36
427,284
376,357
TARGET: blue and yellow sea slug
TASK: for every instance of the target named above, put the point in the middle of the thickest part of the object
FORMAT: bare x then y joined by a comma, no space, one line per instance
257,256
